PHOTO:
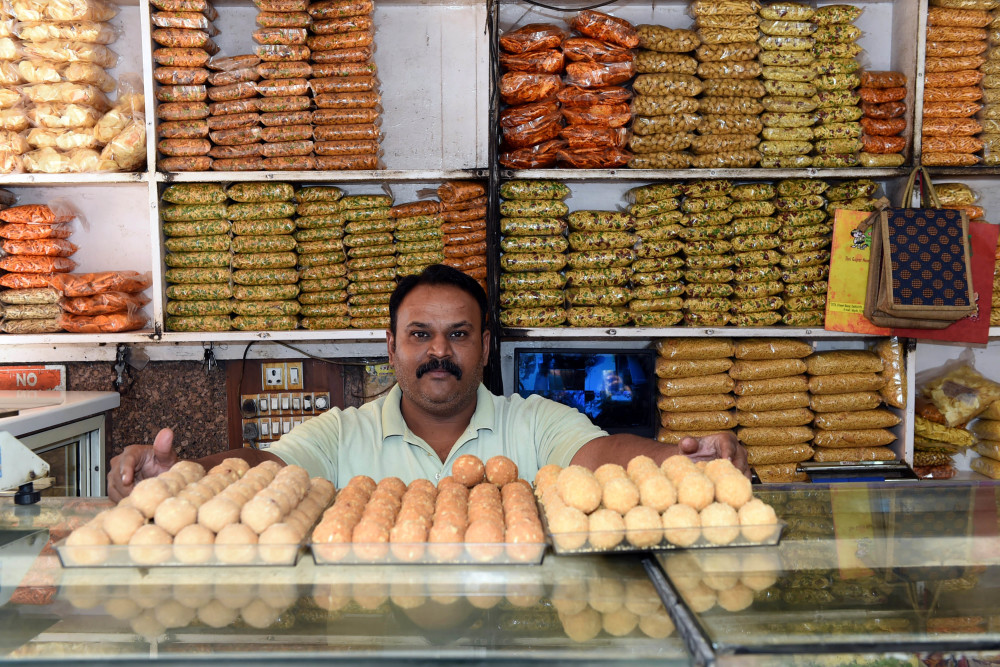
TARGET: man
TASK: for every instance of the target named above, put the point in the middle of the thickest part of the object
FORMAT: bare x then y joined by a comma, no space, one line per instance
438,345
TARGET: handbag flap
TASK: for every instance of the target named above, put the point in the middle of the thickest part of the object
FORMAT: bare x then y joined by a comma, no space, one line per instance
928,256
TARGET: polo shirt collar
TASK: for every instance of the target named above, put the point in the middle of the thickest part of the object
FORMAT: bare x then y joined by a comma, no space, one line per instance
394,424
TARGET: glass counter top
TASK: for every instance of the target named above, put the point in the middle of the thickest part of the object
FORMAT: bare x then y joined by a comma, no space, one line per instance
860,568
580,609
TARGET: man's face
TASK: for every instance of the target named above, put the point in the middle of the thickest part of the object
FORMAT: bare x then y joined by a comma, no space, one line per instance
438,350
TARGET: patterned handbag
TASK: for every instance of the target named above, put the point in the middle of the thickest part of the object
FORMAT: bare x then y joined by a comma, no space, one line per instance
920,274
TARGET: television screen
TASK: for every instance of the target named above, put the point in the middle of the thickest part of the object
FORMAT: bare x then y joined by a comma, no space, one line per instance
615,389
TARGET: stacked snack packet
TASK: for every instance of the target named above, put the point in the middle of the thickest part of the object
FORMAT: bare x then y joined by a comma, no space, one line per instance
883,138
990,70
771,403
805,235
463,227
530,125
421,244
789,72
986,429
323,287
198,244
13,120
103,302
593,102
844,386
599,237
707,252
185,46
755,237
657,290
728,34
234,121
956,40
368,300
345,85
534,253
36,249
695,398
664,120
838,135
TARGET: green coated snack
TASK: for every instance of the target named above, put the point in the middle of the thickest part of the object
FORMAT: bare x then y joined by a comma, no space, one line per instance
257,211
338,284
723,232
658,248
525,189
709,261
265,292
803,203
612,276
716,304
371,226
264,227
415,222
657,319
356,202
610,295
805,259
597,316
749,226
532,317
705,204
756,242
758,273
659,220
709,290
416,235
852,189
197,228
277,243
531,298
748,192
414,247
318,221
534,244
266,308
318,193
388,273
540,280
514,208
260,192
217,243
806,274
759,304
599,221
601,259
265,322
322,258
318,234
197,260
658,233
320,247
207,275
707,219
804,318
264,260
808,302
708,275
757,289
360,214
421,259
190,212
374,262
650,193
196,323
369,322
756,258
600,240
532,261
532,226
654,207
325,271
199,308
204,292
265,277
385,286
707,247
372,239
328,297
661,291
194,193
805,232
319,207
805,289
656,277
377,305
321,323
324,309
801,218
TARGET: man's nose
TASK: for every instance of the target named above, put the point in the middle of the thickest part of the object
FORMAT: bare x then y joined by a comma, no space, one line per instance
440,347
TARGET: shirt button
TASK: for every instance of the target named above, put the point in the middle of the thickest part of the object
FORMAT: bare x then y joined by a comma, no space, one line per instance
437,476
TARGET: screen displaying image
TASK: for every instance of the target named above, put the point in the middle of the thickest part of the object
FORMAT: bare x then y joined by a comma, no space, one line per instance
615,389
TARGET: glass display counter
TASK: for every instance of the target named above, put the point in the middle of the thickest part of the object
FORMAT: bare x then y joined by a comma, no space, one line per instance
865,574
588,610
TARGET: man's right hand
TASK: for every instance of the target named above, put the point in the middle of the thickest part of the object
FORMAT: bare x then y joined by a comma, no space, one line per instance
139,462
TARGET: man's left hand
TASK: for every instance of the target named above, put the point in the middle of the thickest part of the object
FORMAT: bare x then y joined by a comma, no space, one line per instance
716,446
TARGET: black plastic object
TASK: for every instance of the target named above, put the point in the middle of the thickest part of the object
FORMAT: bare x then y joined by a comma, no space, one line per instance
26,495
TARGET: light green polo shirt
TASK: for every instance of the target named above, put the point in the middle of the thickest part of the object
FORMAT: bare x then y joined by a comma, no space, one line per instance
374,439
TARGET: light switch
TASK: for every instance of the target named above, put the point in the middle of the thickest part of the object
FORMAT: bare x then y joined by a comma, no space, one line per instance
285,404
286,426
262,404
265,428
274,403
296,404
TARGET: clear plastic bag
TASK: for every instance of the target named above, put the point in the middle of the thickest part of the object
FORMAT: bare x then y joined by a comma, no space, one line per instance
605,28
958,390
532,37
666,40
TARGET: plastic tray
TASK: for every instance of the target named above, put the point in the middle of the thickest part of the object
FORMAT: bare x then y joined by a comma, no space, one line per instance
186,555
429,553
580,543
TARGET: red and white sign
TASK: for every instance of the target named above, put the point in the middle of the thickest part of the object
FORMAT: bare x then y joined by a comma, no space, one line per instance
38,377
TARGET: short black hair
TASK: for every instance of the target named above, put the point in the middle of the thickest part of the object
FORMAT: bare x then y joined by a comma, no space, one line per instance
438,274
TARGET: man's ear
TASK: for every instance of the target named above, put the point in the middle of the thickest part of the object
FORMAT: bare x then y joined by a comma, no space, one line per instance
390,343
486,346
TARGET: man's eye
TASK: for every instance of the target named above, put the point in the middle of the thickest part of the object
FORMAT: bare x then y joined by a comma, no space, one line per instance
419,334
459,334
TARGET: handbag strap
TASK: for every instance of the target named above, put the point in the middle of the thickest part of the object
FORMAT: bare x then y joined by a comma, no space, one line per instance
925,185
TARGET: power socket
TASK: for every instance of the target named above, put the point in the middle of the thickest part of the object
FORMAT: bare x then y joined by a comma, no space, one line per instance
273,375
293,373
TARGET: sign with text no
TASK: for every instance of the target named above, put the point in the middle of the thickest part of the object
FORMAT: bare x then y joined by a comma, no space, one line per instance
35,377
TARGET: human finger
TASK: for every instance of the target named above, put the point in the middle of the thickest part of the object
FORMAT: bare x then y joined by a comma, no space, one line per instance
163,450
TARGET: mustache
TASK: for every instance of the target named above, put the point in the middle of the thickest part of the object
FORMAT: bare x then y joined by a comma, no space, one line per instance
439,365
